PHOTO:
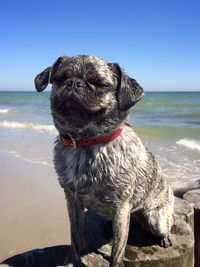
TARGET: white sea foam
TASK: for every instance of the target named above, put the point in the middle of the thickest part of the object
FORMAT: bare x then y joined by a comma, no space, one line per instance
17,155
28,125
4,110
189,143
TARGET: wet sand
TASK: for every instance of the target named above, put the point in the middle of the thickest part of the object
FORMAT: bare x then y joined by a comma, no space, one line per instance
32,207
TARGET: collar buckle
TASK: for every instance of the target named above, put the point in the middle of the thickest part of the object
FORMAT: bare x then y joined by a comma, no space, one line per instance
72,143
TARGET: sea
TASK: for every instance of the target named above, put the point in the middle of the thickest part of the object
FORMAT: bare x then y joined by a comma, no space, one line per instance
167,122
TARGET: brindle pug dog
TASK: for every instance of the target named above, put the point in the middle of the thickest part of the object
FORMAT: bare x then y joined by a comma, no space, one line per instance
101,163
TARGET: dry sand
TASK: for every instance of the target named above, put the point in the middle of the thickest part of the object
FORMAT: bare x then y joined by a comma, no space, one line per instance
32,207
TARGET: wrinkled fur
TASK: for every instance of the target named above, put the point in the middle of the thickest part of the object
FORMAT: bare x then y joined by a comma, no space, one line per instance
91,97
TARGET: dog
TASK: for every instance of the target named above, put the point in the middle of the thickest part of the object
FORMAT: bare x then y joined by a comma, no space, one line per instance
101,163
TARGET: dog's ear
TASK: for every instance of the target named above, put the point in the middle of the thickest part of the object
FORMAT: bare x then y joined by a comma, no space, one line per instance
42,80
129,92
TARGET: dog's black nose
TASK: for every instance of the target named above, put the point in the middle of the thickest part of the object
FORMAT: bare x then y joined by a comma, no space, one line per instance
75,84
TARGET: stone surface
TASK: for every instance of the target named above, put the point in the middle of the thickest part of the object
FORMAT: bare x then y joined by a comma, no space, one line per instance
179,192
183,211
94,260
142,249
193,197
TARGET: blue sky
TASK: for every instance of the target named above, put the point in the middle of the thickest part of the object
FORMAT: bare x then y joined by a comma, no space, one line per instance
156,41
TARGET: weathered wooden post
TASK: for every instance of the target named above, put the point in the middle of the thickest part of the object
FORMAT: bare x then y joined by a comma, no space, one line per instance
193,197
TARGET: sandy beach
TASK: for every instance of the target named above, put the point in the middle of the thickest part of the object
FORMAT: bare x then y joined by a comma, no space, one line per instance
32,207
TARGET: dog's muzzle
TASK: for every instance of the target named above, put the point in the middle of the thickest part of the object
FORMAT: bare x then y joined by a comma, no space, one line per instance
75,84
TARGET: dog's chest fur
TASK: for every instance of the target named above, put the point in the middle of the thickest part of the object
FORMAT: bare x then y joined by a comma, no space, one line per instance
103,175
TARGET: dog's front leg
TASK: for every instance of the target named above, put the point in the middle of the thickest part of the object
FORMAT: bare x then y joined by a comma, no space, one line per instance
121,222
76,216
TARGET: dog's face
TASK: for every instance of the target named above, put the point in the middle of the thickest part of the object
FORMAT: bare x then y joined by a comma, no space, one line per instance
88,93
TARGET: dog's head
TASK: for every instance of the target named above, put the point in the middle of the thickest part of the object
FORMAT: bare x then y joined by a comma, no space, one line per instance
88,94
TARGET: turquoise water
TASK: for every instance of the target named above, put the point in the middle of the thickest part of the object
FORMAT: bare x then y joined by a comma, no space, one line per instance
168,123
168,115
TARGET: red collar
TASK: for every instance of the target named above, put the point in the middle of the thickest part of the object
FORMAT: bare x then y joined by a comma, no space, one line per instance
88,141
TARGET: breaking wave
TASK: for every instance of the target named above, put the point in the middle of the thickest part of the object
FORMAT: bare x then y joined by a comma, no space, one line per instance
4,110
189,143
28,125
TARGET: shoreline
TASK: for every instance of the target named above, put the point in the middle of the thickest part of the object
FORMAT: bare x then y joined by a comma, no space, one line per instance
33,207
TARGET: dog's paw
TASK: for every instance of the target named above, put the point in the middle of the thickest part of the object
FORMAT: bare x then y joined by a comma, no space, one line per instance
166,242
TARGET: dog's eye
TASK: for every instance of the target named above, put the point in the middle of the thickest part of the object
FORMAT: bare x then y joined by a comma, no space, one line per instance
100,84
103,85
57,79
